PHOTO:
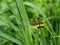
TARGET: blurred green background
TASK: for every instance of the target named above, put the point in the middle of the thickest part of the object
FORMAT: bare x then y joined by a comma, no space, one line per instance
18,20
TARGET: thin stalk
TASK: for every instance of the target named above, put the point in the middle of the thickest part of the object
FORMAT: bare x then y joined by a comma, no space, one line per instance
43,40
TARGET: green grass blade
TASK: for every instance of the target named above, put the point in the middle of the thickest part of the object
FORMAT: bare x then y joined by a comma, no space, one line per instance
9,37
25,24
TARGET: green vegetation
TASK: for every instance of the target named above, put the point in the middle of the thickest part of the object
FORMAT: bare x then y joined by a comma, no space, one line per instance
18,22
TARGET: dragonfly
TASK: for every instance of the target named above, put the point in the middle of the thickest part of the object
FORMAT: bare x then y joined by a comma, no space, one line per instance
38,24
